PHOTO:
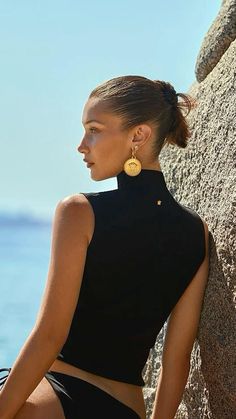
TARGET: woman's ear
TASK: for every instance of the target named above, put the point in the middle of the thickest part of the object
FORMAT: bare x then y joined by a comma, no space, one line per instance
140,135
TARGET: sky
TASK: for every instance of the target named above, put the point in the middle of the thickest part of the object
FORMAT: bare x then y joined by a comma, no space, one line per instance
53,53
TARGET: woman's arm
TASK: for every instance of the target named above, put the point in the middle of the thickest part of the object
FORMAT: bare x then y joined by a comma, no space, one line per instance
71,226
181,332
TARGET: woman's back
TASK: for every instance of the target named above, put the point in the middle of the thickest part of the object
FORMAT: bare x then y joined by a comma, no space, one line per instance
144,251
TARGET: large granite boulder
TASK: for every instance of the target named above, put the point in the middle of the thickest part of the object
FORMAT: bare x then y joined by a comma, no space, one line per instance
203,176
217,40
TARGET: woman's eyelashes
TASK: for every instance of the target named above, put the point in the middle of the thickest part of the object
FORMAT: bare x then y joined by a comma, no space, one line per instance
92,129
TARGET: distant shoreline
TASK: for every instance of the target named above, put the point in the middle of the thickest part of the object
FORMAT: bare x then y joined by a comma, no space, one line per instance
22,219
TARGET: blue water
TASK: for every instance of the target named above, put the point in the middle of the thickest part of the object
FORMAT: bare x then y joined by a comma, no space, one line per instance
24,261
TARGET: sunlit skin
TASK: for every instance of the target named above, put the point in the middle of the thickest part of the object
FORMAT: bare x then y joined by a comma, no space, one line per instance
108,146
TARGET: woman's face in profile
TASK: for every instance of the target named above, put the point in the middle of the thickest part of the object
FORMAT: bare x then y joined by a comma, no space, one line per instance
104,143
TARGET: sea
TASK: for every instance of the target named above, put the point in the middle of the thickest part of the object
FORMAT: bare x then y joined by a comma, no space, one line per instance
25,243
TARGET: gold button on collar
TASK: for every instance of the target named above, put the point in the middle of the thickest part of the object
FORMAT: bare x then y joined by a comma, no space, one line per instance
158,202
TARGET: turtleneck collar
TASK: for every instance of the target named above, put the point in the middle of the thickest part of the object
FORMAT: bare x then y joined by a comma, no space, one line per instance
147,178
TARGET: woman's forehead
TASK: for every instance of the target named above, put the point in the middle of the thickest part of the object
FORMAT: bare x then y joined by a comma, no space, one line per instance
91,110
94,111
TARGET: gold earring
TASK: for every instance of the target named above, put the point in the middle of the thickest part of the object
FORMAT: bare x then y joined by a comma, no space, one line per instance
132,166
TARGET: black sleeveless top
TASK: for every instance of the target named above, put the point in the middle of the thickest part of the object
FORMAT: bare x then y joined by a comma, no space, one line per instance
146,248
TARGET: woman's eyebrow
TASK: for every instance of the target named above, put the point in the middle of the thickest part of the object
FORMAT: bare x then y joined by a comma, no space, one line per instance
92,120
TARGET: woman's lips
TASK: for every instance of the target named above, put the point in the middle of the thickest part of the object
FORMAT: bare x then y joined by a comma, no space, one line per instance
89,164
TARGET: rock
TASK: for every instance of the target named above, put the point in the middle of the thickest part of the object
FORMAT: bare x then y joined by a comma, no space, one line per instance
218,38
203,177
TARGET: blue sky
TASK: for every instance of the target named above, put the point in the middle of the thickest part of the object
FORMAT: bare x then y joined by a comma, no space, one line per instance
53,53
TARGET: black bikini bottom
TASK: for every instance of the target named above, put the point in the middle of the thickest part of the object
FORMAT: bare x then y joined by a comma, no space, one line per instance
83,400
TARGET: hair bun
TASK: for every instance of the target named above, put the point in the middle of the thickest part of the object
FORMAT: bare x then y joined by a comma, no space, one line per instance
168,92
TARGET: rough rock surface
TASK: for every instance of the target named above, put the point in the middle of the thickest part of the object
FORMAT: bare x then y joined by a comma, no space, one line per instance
218,38
203,176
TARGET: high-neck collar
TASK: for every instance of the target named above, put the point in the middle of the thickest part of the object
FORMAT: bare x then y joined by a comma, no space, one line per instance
147,178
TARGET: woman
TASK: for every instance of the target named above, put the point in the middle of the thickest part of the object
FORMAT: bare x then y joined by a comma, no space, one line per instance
122,262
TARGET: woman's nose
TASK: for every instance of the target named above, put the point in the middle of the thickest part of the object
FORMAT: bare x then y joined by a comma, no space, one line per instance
81,147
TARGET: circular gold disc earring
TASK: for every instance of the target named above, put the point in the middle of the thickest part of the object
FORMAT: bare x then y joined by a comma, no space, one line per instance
132,166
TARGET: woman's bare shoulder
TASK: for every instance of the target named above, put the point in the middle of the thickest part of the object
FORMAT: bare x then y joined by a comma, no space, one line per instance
78,199
77,210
